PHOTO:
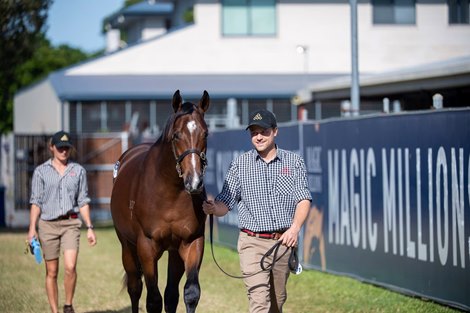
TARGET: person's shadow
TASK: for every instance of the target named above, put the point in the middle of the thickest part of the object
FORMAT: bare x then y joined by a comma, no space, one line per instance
124,310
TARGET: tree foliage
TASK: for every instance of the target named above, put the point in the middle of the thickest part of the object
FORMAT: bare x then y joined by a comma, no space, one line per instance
128,3
47,59
21,23
25,54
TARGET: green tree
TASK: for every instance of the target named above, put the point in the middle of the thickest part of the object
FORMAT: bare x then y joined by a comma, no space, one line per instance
21,24
25,54
128,3
47,59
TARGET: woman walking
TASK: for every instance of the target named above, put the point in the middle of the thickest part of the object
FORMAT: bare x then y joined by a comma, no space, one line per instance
59,197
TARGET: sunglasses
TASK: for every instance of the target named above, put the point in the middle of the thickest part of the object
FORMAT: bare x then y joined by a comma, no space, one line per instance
62,149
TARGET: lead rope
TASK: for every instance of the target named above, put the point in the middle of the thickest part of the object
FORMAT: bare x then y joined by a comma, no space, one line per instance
274,249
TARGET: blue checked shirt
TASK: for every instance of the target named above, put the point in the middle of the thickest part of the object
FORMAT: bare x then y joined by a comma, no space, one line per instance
58,195
266,193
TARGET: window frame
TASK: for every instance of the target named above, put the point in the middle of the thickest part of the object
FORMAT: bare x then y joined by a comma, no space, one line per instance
391,12
251,9
456,12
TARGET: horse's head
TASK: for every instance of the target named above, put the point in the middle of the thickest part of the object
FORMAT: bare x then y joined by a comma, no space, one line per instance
188,137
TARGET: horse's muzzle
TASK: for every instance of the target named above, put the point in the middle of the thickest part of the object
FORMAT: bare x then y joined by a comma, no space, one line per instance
194,185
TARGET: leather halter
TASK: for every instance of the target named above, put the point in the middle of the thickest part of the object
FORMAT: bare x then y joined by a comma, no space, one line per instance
180,158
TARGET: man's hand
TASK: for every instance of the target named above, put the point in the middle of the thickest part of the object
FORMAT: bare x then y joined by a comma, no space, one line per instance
291,236
208,207
214,207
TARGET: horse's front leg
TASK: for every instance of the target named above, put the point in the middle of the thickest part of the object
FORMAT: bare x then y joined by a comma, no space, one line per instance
149,253
175,272
192,256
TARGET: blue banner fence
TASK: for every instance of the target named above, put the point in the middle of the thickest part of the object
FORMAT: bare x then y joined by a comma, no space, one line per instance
391,198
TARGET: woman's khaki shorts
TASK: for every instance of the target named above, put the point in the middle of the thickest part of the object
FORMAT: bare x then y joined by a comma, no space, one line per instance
59,235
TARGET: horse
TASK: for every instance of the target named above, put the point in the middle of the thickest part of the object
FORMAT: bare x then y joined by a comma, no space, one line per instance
156,206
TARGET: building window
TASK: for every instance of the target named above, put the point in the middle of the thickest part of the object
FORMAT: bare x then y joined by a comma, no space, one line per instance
249,17
140,118
394,11
459,11
91,117
116,119
282,108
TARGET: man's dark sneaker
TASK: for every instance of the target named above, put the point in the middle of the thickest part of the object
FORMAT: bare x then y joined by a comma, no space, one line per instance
68,309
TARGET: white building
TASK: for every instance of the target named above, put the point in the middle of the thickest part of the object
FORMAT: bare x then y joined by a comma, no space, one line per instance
246,53
256,51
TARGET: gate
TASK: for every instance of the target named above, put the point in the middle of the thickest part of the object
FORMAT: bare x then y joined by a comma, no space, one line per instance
97,153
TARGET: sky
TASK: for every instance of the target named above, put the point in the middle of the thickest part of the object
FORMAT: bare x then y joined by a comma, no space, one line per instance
78,23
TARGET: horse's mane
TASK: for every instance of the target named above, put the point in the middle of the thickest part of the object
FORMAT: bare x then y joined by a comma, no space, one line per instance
186,108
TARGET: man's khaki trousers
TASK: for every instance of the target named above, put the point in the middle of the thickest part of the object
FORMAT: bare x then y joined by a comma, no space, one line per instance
266,290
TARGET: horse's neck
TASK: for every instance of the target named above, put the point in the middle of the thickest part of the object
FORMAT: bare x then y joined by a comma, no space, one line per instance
162,159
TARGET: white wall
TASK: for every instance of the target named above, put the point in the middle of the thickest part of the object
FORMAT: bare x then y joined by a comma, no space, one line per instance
324,28
385,47
37,110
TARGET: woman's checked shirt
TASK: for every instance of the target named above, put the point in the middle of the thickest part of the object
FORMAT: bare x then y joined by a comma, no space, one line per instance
266,193
58,195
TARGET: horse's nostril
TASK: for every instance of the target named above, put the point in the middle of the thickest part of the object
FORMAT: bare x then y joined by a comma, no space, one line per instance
199,187
193,185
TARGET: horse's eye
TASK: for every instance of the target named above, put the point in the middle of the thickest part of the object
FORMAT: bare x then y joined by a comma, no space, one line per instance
176,136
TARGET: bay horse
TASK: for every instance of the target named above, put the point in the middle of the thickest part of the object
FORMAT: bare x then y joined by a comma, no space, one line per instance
156,206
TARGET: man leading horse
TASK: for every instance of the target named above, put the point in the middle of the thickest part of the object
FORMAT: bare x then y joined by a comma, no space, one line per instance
269,186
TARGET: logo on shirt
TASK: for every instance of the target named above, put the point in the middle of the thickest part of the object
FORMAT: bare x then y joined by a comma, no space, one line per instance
285,171
72,173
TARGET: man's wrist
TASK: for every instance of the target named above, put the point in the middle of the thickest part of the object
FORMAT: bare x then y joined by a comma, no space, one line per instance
90,226
295,228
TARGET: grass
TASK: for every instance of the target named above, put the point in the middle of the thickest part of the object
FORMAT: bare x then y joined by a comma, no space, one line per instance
99,287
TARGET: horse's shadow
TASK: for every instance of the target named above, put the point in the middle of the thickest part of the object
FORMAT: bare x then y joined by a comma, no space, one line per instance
124,310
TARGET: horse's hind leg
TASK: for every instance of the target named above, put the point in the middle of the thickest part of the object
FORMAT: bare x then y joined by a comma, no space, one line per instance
148,256
175,272
133,276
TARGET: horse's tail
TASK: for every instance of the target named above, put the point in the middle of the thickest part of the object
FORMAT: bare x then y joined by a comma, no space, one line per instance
124,282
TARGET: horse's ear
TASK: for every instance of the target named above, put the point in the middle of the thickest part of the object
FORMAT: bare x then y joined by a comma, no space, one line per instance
205,101
177,100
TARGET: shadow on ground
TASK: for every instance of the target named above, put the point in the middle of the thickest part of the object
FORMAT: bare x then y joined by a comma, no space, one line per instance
124,310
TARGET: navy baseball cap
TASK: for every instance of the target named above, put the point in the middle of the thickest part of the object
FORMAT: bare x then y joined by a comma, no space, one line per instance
61,139
262,118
